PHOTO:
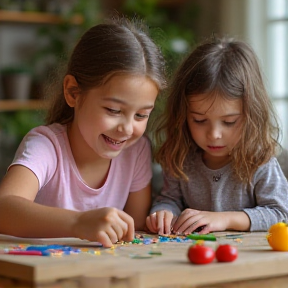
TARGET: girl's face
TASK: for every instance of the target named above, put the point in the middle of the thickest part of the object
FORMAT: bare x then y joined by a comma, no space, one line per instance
114,116
215,125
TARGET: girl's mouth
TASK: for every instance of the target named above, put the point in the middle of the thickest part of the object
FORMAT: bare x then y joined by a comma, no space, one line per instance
216,147
112,141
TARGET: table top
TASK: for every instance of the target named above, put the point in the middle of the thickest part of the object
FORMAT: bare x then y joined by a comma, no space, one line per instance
255,260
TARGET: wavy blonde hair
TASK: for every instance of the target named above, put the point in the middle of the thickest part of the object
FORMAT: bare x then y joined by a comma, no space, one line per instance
224,67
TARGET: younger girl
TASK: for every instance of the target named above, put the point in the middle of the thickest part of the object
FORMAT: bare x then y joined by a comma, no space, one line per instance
218,156
75,176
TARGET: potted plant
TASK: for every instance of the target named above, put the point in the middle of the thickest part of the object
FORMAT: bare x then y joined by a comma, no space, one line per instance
16,82
57,40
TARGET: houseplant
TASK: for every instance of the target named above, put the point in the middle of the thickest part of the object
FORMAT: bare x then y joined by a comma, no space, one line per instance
56,41
16,82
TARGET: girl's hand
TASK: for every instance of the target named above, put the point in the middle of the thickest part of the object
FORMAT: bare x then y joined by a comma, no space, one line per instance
191,219
160,222
104,225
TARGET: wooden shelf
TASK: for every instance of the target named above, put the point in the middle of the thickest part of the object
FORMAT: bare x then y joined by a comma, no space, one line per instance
36,17
171,3
13,105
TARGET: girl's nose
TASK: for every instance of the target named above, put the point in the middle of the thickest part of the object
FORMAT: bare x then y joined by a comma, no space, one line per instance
215,132
126,127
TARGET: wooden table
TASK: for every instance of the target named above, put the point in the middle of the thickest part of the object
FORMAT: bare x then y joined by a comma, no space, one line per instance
257,266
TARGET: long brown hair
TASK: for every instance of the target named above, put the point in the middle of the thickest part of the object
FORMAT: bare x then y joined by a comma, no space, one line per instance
230,68
116,47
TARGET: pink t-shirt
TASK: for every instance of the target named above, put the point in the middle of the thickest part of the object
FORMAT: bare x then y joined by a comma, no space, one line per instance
45,150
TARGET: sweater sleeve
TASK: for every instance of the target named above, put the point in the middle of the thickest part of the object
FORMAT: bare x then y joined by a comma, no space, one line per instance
170,198
271,193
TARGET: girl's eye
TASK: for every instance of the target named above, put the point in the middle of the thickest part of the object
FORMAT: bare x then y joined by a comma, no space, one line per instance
229,123
199,121
113,111
142,116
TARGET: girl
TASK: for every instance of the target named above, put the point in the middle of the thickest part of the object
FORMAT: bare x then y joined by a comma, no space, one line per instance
75,176
218,155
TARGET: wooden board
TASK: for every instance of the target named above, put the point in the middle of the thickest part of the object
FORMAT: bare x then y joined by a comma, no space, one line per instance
256,260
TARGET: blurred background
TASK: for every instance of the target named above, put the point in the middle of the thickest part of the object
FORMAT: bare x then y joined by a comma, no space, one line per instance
35,35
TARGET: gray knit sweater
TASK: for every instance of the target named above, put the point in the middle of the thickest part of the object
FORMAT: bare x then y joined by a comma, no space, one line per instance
265,200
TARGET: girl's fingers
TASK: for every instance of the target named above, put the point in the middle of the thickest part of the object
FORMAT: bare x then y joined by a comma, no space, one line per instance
187,215
151,222
188,229
120,228
164,219
128,228
189,225
167,223
104,239
205,229
198,224
174,219
178,223
112,235
148,224
160,222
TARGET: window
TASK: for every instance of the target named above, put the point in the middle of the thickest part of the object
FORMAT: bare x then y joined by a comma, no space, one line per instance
277,60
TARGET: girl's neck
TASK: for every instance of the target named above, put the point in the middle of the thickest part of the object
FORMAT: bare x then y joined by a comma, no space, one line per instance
87,161
81,151
213,162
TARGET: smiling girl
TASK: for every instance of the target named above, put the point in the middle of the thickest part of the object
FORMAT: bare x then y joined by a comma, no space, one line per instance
221,135
87,173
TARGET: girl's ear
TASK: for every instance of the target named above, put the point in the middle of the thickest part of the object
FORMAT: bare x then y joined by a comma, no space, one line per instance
70,86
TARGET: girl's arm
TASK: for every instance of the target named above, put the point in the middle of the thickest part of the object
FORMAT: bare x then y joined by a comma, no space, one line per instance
166,207
24,218
270,191
138,205
271,194
170,197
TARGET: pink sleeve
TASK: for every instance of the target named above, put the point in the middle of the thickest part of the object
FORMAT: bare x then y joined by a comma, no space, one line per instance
37,153
143,166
